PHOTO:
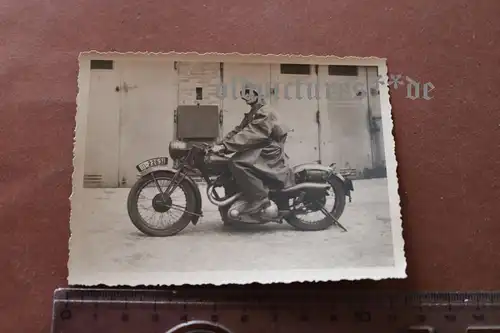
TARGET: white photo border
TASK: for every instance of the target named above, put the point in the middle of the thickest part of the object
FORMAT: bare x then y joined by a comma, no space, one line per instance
398,271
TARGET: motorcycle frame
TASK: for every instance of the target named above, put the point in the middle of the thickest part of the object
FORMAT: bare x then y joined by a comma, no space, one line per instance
191,163
188,163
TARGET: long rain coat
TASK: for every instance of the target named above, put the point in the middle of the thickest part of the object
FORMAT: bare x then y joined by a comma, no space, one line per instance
258,143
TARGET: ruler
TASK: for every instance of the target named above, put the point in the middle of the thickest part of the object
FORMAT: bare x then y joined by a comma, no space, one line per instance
263,310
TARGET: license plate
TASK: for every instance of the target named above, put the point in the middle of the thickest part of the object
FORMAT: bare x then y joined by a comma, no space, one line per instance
152,163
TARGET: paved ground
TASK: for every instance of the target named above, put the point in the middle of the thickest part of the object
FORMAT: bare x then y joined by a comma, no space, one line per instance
105,240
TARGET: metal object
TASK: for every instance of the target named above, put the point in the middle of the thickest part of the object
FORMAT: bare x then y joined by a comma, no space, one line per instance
195,122
271,309
220,203
125,87
335,221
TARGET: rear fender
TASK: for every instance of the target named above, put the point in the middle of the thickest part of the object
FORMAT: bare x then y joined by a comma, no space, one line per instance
348,186
192,184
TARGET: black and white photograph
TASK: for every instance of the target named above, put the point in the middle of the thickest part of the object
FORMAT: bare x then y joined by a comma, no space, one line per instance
233,169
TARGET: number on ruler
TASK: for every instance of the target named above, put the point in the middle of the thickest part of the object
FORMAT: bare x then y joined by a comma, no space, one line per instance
478,317
363,316
65,314
450,317
392,317
421,318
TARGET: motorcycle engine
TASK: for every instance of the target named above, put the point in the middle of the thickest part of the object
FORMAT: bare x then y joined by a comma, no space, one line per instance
236,208
268,213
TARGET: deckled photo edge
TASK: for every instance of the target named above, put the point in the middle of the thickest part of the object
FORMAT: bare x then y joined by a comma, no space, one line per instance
392,166
288,276
78,149
220,278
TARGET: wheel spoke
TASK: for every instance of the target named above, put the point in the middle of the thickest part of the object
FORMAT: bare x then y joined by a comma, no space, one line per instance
170,215
312,210
176,207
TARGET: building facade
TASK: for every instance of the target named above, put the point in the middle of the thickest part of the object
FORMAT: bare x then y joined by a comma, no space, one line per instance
136,107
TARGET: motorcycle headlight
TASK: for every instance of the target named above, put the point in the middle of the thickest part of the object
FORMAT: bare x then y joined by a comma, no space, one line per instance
178,149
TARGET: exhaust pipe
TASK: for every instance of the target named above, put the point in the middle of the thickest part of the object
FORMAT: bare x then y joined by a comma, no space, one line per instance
306,186
221,203
298,187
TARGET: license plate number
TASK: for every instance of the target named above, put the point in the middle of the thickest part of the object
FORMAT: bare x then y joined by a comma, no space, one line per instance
152,163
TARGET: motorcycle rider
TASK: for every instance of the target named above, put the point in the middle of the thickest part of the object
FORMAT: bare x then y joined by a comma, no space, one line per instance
258,143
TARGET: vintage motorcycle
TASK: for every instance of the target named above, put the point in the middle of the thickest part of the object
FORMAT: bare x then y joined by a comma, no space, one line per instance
313,182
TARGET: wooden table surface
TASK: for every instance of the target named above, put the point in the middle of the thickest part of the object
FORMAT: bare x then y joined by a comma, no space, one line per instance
447,148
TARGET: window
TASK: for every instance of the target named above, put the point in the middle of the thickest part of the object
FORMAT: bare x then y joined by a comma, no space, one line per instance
199,93
101,64
298,69
342,70
375,68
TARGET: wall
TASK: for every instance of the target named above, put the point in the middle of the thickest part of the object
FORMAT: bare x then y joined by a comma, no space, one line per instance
130,118
203,75
448,165
329,124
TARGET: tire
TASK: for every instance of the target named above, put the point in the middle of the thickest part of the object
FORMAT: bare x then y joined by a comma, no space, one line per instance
142,225
325,223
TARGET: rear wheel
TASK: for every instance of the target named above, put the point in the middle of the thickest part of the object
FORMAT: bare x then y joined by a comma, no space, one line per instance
308,215
149,209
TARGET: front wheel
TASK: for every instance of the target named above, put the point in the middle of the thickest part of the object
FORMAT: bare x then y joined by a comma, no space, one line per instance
313,219
156,213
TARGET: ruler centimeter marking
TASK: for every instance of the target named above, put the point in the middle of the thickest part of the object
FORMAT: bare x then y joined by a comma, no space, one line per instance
208,310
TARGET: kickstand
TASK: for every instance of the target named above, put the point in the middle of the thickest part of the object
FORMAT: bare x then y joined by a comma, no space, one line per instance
337,223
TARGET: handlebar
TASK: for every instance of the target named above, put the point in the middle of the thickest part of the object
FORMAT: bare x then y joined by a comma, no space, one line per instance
219,153
202,145
208,148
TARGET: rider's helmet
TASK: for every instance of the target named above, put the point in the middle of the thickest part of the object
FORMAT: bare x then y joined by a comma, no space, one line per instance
250,93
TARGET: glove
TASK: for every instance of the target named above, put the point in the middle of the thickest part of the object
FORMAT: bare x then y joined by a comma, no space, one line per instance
218,148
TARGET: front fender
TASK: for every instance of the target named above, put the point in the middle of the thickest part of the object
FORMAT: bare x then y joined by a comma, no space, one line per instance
192,184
